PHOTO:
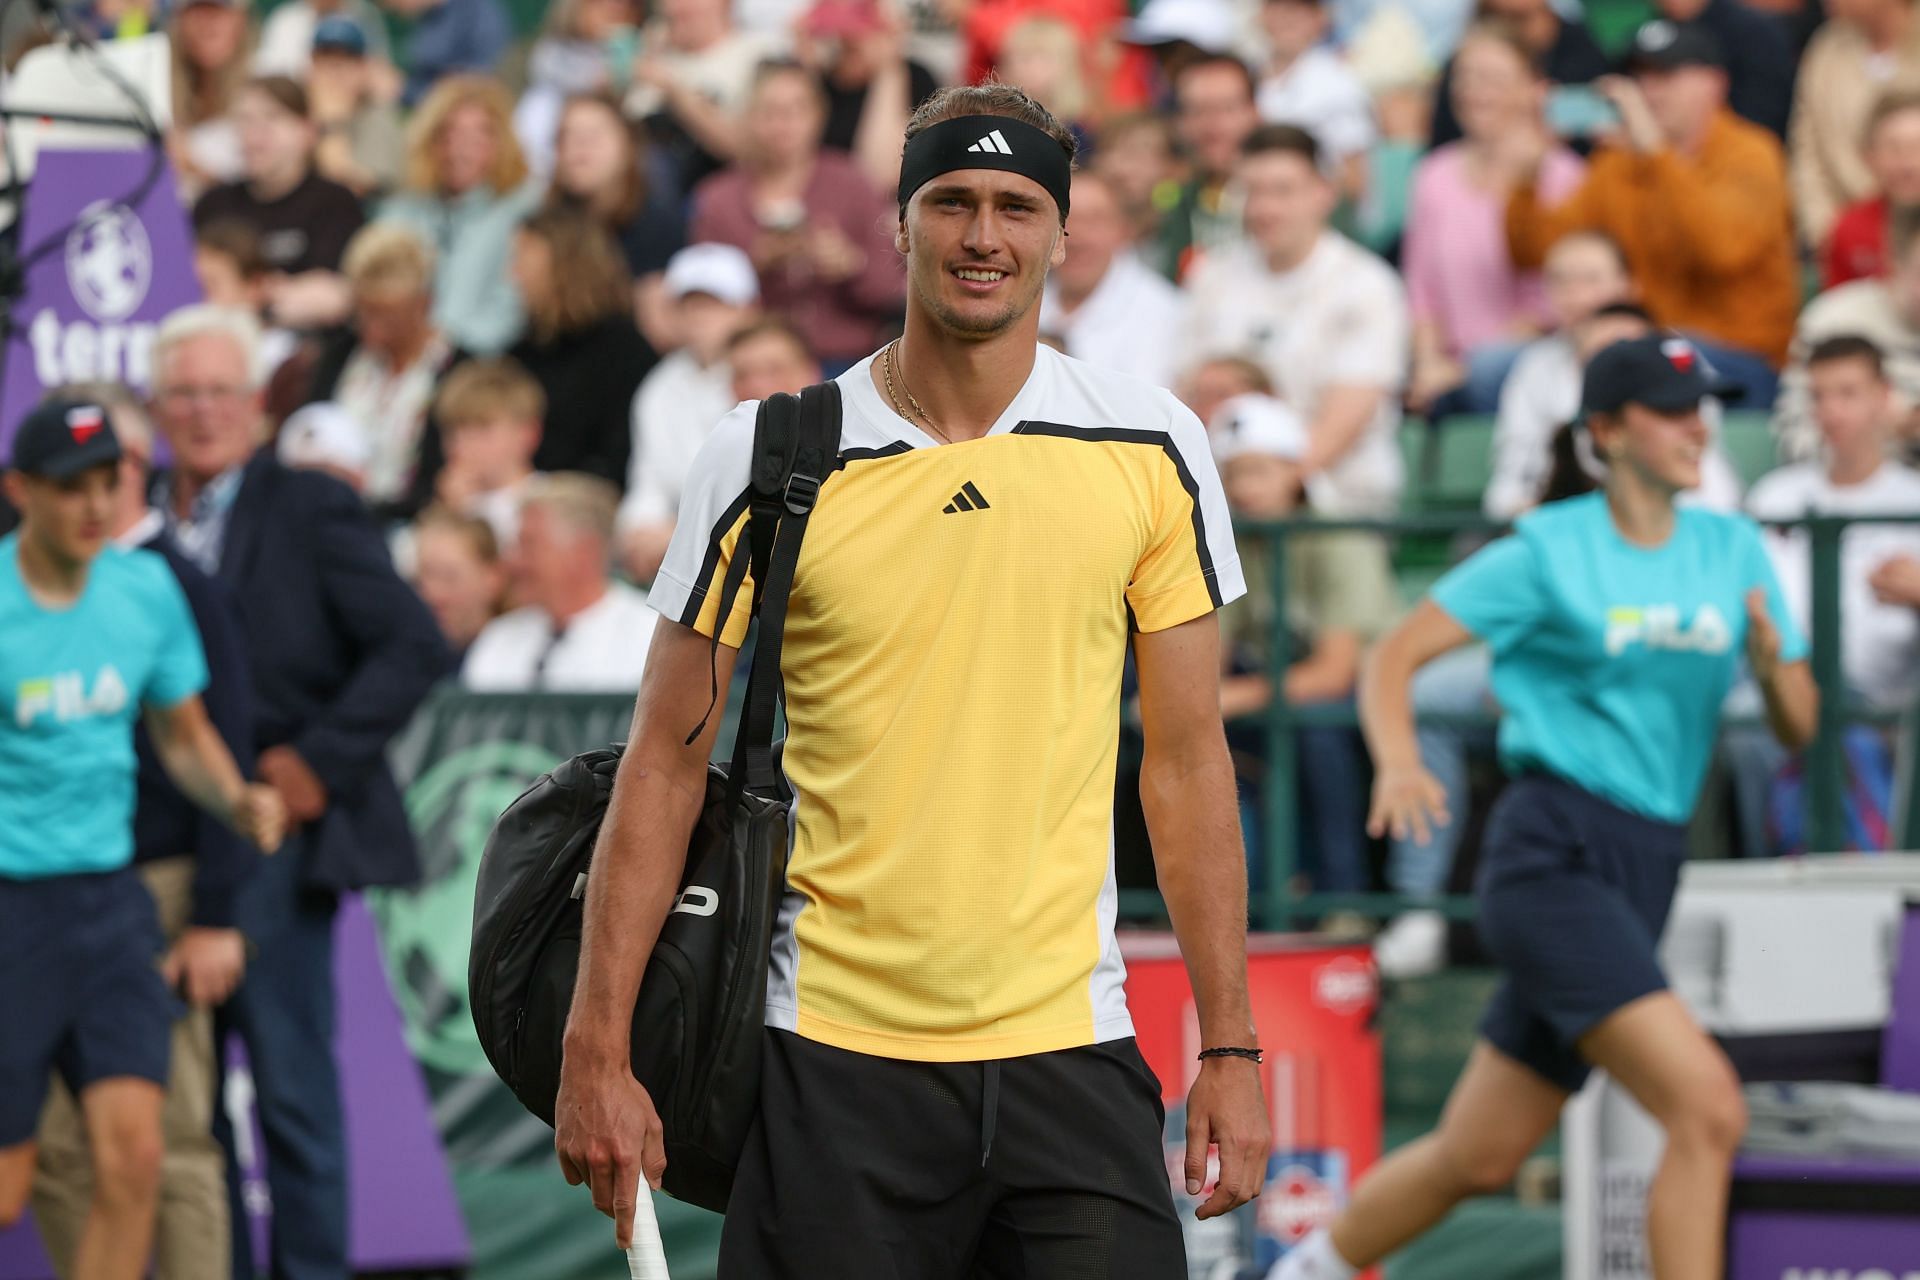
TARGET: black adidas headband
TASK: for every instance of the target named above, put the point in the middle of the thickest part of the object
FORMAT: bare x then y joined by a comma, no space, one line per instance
986,142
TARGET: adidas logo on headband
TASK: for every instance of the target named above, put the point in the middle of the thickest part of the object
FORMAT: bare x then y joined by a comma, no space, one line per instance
994,144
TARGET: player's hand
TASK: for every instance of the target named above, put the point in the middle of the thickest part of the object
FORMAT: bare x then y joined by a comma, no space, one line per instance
1407,800
607,1134
300,788
260,816
1763,638
205,965
1226,1110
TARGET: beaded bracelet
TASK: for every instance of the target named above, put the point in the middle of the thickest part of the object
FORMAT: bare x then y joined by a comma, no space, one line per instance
1231,1051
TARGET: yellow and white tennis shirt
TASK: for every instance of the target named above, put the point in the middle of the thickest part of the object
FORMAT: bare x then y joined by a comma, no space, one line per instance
955,637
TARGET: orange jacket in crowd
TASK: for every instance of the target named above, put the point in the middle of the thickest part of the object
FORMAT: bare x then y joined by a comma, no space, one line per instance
1709,237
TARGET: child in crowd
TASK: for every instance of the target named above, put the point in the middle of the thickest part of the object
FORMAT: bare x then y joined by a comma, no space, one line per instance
489,413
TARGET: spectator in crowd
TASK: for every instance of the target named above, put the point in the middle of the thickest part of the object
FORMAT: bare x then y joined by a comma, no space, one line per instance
588,47
576,628
1399,79
457,571
769,356
1210,384
1544,396
1758,58
856,48
1214,115
1108,307
208,44
1562,47
1042,54
233,272
1696,197
1586,273
193,866
466,190
1340,596
692,82
342,652
1139,159
818,233
98,641
324,437
1863,49
450,38
1885,312
600,166
1305,83
1326,319
713,292
304,220
288,38
1471,308
580,343
362,143
1854,411
489,414
384,367
1856,248
1119,74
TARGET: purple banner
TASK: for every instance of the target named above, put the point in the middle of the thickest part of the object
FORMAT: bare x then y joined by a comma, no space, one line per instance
1900,1051
108,275
1822,1246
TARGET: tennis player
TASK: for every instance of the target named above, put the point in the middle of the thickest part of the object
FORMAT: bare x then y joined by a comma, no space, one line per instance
1617,621
951,1085
95,636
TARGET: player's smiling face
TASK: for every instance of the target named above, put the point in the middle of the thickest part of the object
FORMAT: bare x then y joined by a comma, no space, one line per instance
979,244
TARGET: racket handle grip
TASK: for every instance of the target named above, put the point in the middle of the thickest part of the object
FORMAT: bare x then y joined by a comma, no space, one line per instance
646,1257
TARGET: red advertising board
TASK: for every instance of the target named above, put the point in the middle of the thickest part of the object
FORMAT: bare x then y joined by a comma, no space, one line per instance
1313,1006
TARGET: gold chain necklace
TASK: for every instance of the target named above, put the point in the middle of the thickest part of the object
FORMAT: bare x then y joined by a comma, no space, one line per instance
886,366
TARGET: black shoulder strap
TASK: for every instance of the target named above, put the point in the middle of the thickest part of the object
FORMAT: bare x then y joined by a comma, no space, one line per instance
795,444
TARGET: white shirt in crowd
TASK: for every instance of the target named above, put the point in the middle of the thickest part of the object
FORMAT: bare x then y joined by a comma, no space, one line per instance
1130,323
603,649
286,37
1879,643
722,73
1320,94
1338,319
392,405
1541,395
676,408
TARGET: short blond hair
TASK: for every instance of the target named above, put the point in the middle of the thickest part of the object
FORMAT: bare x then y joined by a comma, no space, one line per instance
206,319
448,96
389,257
486,390
586,504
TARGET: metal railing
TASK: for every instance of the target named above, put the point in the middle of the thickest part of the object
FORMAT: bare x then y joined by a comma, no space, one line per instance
1280,907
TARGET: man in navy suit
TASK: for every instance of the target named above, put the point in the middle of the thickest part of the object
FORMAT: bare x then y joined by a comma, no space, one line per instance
342,652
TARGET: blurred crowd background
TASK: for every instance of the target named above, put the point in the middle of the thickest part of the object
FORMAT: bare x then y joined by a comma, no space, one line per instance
498,265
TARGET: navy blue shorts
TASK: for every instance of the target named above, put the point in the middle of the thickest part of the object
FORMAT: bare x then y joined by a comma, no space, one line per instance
79,993
1573,894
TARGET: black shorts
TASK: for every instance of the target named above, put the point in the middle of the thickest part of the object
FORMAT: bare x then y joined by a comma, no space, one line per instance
79,993
1049,1166
1573,892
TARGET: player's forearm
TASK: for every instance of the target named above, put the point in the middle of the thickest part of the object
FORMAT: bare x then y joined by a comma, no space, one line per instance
1193,819
1386,703
637,864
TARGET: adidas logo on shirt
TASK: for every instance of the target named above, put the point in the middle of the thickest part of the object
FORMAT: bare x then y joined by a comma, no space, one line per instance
992,144
968,499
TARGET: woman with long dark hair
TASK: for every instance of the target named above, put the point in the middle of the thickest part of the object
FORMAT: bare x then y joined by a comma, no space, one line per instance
580,341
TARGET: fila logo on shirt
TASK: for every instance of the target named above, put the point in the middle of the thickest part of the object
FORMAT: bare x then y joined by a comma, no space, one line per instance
65,697
1660,626
993,144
